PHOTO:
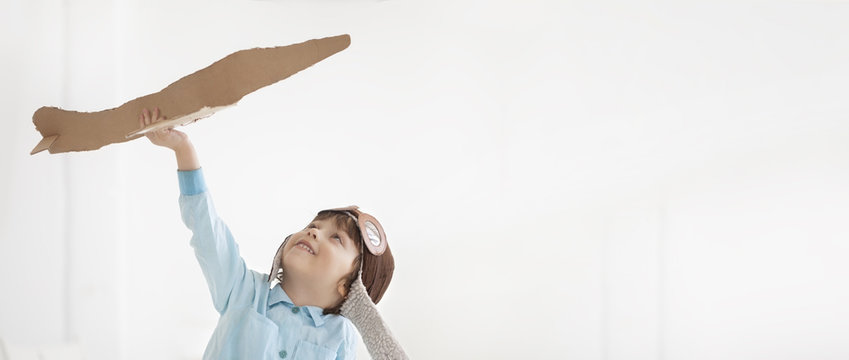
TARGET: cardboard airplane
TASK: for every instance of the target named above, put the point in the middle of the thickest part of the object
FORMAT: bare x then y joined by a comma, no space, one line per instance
189,99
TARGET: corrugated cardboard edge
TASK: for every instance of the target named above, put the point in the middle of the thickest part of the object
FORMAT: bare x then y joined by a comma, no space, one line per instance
204,112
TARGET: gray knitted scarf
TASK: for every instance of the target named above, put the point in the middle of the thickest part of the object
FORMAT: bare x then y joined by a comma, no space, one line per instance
379,341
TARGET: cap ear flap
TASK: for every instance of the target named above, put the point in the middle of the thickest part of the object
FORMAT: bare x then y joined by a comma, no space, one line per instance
377,273
277,262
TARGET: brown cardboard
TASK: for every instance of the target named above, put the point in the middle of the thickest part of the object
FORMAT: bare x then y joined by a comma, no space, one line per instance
189,99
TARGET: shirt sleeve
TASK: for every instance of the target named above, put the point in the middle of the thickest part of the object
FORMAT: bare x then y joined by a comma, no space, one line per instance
226,275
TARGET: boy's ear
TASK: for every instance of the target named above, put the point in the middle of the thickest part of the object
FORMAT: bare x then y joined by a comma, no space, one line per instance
340,287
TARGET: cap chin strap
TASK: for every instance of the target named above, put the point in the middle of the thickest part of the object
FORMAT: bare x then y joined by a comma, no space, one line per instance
276,263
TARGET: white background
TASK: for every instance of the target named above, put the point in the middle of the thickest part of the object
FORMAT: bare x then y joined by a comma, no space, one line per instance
582,180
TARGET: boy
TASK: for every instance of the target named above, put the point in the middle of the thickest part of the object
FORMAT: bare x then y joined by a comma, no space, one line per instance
320,272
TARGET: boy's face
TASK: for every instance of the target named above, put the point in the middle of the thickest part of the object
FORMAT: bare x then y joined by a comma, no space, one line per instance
321,254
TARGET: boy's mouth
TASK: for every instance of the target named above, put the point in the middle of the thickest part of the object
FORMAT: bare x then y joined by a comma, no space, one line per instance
305,245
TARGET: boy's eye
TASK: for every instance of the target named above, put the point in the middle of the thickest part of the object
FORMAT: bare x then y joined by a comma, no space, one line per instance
338,238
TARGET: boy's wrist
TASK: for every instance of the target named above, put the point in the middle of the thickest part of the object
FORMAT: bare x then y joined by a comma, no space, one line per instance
187,158
184,145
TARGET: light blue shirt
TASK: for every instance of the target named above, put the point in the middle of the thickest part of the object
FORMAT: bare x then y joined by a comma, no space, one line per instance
258,320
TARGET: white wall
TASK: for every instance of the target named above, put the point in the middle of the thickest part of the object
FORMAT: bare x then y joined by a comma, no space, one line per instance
32,190
576,180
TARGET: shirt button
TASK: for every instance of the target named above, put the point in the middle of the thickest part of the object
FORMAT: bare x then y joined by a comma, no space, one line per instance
295,310
282,354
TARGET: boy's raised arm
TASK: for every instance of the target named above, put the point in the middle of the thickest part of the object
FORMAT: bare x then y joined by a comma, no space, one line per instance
227,277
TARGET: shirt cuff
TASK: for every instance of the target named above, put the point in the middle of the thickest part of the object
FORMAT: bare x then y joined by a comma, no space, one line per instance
191,181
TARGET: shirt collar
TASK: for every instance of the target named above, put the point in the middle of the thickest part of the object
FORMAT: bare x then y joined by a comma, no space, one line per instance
313,312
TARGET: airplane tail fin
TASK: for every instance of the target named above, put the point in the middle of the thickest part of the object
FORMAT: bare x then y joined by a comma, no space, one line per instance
44,144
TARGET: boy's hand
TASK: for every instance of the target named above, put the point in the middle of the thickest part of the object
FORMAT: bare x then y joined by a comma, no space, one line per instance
167,137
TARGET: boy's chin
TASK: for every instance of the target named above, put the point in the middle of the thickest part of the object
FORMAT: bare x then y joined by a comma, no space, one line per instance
297,263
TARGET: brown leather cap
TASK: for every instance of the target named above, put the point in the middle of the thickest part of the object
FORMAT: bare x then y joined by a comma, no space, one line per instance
378,263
